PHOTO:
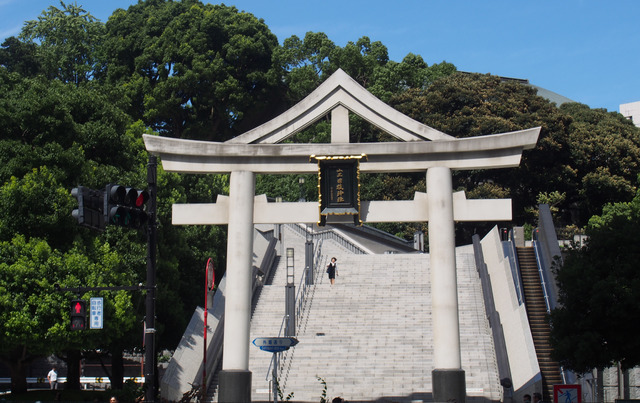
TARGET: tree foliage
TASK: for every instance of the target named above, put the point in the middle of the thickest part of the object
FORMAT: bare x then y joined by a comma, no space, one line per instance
192,70
19,57
34,317
35,205
69,38
309,61
76,95
574,154
599,294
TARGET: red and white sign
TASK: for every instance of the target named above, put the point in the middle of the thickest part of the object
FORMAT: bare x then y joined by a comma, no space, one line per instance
567,394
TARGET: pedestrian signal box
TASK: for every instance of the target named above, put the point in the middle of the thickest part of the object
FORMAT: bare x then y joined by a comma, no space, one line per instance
78,314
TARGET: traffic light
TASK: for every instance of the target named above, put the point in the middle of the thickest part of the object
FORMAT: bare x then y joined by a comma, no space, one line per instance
125,206
78,314
89,212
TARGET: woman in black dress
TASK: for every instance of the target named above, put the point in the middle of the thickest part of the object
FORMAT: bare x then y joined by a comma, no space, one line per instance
332,270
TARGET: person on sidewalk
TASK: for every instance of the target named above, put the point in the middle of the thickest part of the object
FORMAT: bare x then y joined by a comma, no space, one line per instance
52,377
332,270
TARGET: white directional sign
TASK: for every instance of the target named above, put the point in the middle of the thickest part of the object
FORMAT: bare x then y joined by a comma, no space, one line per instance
275,344
96,313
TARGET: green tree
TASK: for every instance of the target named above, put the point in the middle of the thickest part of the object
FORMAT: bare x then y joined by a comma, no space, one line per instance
305,62
19,57
576,153
57,135
605,151
308,62
37,207
192,70
69,40
76,131
183,251
34,318
599,294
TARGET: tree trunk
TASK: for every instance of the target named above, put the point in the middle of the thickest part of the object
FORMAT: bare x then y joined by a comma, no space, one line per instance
18,370
17,361
73,370
117,367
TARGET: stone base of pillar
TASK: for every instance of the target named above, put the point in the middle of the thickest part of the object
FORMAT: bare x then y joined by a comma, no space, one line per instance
234,386
448,385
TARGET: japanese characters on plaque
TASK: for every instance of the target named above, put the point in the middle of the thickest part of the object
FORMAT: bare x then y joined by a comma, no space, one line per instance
339,187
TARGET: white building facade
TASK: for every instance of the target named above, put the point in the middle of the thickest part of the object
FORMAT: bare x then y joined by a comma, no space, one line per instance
631,111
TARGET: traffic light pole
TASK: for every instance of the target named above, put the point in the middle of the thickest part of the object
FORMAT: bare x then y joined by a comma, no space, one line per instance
150,319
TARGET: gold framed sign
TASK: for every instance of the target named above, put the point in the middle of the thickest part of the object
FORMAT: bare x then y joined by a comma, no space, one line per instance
339,189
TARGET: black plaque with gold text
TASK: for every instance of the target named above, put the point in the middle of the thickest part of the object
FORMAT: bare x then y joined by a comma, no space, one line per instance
339,187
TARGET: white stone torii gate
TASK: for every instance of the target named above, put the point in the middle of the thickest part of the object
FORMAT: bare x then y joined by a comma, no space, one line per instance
421,149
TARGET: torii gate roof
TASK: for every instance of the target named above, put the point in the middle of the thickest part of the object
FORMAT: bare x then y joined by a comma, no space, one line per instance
420,146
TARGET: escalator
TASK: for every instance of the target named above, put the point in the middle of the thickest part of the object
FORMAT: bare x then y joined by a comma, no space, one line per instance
536,312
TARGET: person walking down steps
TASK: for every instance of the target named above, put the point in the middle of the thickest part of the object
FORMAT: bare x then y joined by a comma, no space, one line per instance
332,270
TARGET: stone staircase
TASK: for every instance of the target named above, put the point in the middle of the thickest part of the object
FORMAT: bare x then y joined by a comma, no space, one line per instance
369,337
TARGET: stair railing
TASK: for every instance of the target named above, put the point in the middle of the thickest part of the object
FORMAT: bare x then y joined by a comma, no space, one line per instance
543,277
304,287
328,234
547,250
285,319
509,249
547,299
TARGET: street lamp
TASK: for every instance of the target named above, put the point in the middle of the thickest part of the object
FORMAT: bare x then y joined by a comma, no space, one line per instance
290,295
301,184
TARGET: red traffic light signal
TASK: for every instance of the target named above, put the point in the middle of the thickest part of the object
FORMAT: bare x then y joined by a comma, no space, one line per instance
136,198
78,314
125,207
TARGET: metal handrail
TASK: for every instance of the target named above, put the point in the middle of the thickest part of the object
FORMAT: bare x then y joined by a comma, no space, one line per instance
515,264
539,264
303,287
545,291
342,241
301,295
284,320
328,234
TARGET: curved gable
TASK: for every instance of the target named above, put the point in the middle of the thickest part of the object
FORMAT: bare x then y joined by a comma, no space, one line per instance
340,90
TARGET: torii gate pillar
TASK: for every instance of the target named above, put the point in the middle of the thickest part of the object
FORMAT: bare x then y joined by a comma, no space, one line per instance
448,380
235,377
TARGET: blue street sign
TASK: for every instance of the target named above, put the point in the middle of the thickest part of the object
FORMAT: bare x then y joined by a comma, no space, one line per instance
96,313
275,344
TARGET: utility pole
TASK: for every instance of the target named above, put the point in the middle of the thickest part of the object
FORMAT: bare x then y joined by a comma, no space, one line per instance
150,319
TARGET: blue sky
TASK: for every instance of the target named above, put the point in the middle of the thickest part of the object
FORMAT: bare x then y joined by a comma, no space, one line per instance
588,51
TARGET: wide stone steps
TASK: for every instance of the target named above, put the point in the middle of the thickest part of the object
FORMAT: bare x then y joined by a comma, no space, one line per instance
370,335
